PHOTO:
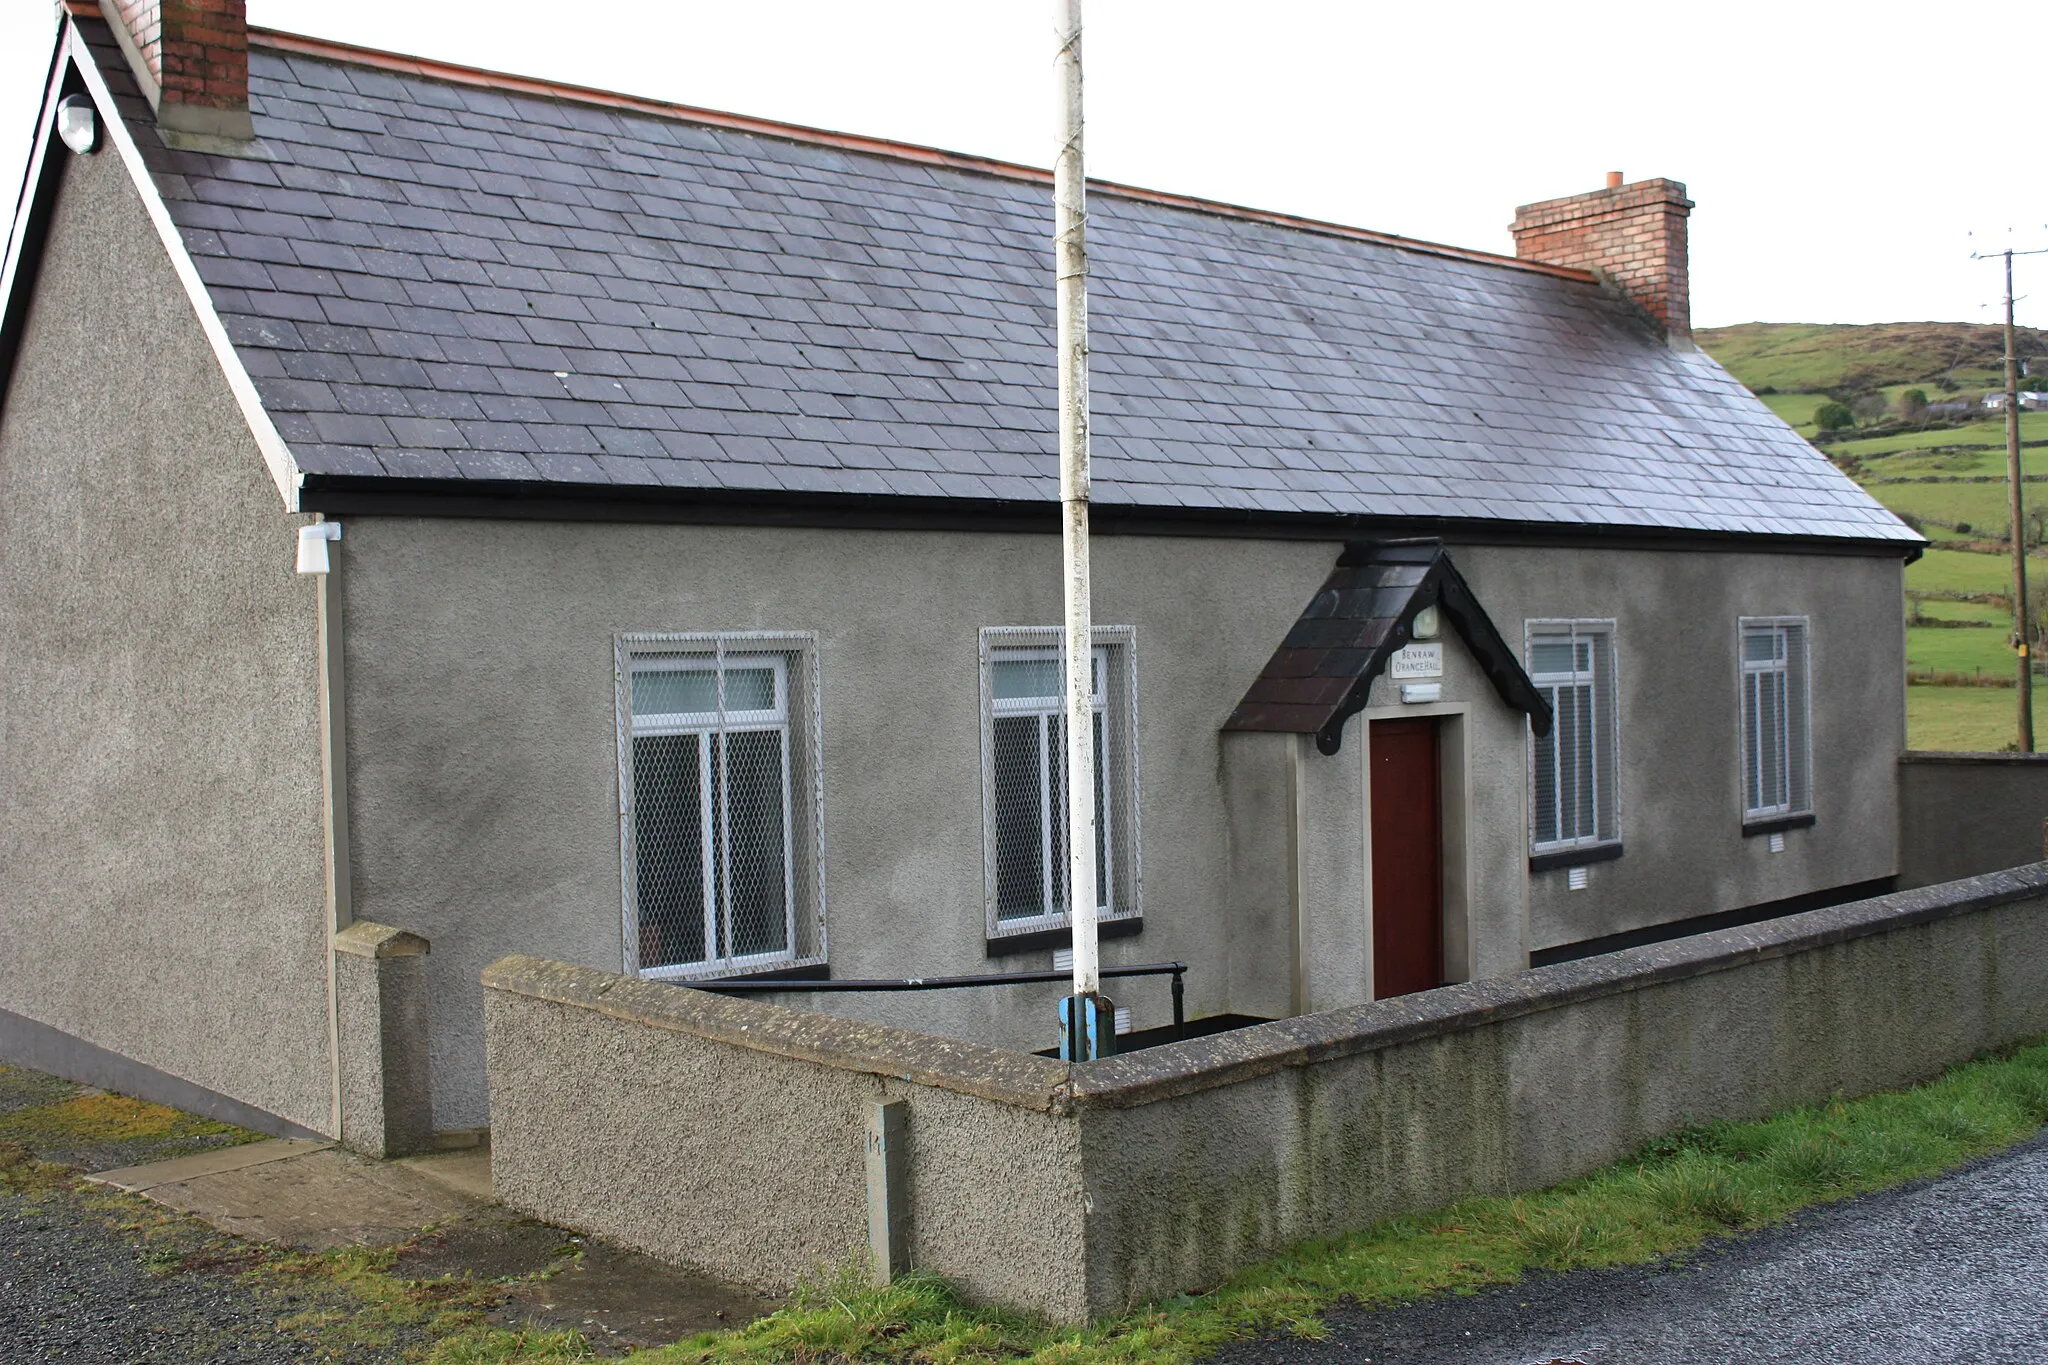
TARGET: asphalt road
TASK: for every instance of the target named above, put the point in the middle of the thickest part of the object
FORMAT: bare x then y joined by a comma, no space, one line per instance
1954,1269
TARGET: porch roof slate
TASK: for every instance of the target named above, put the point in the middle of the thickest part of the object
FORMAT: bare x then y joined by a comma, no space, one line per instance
434,283
1322,671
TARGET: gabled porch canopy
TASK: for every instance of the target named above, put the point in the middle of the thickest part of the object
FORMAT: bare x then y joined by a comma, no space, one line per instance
1320,675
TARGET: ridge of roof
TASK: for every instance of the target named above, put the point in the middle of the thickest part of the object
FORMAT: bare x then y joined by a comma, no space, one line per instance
482,77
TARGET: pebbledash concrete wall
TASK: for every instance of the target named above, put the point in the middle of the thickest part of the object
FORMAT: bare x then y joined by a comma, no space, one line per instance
729,1133
1961,814
483,759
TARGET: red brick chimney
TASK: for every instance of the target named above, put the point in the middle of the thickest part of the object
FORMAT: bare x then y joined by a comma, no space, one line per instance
1632,236
191,58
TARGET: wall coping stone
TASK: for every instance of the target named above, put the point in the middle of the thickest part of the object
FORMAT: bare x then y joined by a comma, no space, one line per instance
1019,1079
1954,756
365,938
1227,1058
1160,1073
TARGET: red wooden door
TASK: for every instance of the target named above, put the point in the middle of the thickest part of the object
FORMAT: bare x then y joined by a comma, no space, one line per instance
1407,859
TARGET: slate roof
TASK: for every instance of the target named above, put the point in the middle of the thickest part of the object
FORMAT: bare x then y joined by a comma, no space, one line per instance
435,284
1321,675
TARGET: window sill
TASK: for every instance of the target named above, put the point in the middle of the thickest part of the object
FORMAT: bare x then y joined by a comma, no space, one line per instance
1574,857
1777,824
1045,940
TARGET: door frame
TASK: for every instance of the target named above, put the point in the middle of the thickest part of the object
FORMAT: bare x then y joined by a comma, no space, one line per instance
1454,793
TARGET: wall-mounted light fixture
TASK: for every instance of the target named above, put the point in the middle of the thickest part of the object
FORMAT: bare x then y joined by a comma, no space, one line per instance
313,545
78,123
1423,625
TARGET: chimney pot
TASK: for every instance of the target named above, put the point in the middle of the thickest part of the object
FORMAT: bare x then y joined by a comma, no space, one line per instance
191,58
1632,236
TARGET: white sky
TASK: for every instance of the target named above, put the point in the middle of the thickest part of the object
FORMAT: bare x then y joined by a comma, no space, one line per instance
1841,155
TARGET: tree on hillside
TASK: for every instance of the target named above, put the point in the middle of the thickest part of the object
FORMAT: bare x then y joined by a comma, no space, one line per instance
1834,417
1913,404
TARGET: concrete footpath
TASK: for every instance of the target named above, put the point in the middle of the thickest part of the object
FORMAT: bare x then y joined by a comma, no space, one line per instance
1953,1269
313,1196
84,1280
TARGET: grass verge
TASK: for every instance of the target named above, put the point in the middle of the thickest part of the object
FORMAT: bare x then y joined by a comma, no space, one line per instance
1981,720
1668,1199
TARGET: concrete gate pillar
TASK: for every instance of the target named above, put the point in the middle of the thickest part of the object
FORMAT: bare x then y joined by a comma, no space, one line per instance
380,986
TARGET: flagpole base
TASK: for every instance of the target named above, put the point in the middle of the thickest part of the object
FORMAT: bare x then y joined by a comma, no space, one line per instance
1087,1028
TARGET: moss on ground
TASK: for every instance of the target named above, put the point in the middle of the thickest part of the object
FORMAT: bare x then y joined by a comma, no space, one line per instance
363,1305
73,1126
102,1117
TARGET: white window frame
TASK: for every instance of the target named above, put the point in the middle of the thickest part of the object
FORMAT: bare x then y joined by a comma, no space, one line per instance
794,714
1118,879
1796,756
1599,634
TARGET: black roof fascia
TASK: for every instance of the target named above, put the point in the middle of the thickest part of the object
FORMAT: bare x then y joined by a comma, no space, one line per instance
524,500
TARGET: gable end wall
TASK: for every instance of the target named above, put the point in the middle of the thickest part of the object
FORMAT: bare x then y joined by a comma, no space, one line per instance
162,894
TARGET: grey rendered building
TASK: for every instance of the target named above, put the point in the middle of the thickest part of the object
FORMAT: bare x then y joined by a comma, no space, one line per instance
696,553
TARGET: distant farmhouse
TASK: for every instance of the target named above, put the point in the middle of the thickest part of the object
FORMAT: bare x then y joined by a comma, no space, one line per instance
1995,402
539,520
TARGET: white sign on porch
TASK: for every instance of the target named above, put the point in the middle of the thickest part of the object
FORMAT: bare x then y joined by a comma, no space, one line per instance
1418,661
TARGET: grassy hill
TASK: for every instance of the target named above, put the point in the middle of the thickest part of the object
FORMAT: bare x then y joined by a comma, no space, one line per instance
1797,357
1945,476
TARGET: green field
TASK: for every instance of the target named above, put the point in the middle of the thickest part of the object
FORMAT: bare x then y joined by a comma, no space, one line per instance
1992,613
1796,408
1797,362
1981,505
1809,357
1961,571
1969,652
1967,719
1970,462
1987,437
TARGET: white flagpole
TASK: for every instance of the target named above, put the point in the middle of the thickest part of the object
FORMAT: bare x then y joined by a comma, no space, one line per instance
1070,254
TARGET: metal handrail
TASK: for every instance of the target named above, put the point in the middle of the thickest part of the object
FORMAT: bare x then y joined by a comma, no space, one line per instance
1177,970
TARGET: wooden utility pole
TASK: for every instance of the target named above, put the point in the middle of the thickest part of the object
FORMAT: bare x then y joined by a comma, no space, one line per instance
1087,1021
2021,634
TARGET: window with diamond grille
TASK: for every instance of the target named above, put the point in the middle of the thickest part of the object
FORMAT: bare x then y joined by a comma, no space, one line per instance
1573,769
719,808
1024,780
1775,752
